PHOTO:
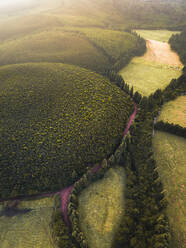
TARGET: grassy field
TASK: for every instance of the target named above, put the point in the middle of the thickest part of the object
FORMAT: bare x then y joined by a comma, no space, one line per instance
159,35
171,159
48,111
30,229
149,72
101,208
174,112
147,76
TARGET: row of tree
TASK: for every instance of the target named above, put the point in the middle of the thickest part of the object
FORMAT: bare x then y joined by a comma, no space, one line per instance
177,42
61,233
124,59
144,223
91,176
171,128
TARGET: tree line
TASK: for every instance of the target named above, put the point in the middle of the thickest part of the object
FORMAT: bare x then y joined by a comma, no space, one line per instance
178,44
171,128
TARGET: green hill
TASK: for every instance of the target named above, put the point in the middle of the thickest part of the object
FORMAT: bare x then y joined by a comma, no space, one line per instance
53,45
55,120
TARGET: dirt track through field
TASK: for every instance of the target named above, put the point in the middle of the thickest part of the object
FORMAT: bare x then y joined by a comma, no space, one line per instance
161,52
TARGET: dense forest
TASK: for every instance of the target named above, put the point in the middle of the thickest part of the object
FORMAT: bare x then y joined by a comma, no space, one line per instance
177,43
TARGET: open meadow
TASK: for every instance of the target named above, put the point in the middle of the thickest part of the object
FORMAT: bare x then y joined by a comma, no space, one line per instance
174,111
28,225
160,35
155,69
101,208
169,151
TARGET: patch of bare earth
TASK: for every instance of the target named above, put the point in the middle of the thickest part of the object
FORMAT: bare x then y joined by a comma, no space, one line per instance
161,52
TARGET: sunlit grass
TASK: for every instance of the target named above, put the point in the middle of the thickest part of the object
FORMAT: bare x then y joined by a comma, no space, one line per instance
147,77
101,207
159,35
30,229
170,155
174,112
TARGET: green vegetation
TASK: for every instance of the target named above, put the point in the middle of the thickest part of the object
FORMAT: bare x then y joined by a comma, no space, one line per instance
101,208
146,76
148,73
53,46
48,111
171,167
159,14
174,112
61,235
114,43
29,229
177,43
159,35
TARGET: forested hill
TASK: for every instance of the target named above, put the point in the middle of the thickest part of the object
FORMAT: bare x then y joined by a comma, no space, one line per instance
153,14
114,14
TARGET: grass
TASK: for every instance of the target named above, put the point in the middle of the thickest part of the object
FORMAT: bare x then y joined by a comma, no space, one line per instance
55,119
53,45
159,35
174,112
147,76
30,229
171,159
150,72
101,208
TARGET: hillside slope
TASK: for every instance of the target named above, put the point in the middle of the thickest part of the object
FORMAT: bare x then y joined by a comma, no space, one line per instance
48,111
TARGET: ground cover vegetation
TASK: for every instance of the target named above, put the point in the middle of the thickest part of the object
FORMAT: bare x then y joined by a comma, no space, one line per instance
48,111
171,168
101,208
174,112
158,34
157,75
156,67
26,223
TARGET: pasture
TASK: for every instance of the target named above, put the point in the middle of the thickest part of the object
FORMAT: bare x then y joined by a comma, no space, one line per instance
147,76
174,111
159,35
169,151
29,227
101,208
155,69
